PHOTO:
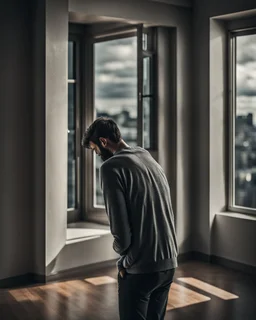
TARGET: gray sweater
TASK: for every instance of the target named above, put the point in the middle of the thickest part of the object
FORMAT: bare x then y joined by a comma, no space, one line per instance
138,204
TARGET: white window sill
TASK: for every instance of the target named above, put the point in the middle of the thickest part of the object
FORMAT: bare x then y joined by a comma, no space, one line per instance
236,215
83,231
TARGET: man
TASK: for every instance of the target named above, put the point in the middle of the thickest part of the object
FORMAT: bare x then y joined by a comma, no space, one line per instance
138,204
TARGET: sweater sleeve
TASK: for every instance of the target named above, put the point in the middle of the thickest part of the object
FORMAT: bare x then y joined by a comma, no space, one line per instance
114,197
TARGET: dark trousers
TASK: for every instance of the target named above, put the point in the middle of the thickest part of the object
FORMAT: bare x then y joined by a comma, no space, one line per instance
144,296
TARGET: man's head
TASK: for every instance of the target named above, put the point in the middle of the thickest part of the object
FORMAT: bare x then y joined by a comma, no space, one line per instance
102,136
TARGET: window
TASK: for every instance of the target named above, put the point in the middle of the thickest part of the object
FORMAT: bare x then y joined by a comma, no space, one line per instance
115,80
243,122
73,132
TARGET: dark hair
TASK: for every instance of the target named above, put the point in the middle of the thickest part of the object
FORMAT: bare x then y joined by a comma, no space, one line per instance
101,127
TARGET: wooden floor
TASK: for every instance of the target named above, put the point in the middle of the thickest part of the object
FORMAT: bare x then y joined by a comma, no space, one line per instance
200,291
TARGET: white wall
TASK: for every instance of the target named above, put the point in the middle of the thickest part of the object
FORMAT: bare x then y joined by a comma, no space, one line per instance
39,221
56,126
166,105
83,253
234,238
213,234
16,131
50,130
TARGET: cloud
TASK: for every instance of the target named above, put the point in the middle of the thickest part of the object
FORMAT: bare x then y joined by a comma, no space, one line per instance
116,50
116,68
246,79
246,65
246,75
245,91
116,90
247,103
121,73
125,41
103,78
246,49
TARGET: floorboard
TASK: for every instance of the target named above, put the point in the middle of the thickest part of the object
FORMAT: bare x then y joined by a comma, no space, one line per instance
200,291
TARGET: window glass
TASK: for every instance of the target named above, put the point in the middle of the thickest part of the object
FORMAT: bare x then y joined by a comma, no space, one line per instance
71,69
244,177
146,75
71,129
144,41
115,92
71,147
147,102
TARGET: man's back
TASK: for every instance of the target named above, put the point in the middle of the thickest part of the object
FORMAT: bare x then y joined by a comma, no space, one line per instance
147,204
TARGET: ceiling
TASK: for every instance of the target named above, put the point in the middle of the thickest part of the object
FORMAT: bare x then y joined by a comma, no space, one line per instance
93,19
183,3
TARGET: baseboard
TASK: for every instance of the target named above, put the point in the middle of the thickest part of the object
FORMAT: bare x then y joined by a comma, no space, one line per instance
199,256
15,281
193,255
238,266
31,278
38,278
21,280
81,271
184,257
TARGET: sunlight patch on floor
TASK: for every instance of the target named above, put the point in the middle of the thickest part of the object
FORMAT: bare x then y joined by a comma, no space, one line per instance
24,295
179,297
98,281
220,293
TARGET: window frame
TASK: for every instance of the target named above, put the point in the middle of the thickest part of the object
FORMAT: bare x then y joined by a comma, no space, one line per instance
233,33
74,214
87,36
151,53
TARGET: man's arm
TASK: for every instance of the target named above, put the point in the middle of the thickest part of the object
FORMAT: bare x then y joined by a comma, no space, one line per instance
113,191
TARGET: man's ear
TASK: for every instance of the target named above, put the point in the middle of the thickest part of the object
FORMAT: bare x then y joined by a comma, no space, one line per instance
103,142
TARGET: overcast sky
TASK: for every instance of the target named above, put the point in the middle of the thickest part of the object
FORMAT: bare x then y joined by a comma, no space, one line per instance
116,69
116,73
246,75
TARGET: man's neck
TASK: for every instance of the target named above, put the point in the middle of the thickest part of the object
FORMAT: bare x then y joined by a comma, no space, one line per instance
121,145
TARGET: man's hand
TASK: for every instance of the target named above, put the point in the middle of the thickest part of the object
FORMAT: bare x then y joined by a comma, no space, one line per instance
122,273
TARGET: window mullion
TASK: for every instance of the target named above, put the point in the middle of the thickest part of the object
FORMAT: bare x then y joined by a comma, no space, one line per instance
140,130
233,115
73,205
77,124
